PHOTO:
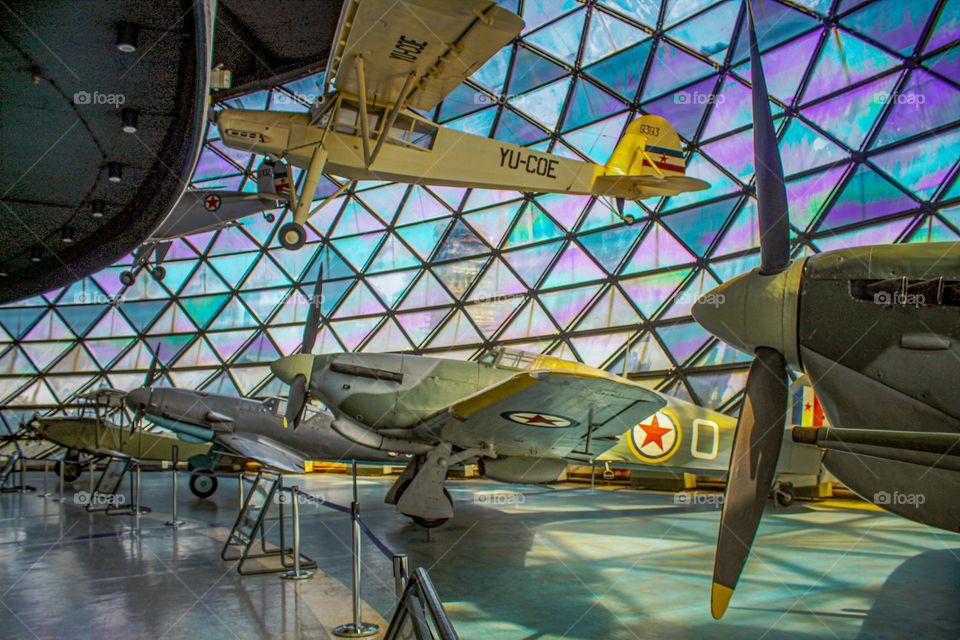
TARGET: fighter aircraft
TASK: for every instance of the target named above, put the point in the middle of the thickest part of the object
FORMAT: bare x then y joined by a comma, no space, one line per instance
523,417
390,58
876,330
247,428
206,210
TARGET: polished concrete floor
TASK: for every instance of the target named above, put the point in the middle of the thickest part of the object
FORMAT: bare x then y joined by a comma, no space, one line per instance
516,562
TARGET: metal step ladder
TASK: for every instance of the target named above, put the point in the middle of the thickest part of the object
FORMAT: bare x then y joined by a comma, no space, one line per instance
420,613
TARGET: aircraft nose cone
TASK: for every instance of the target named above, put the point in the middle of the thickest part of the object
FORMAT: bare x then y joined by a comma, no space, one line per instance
289,367
138,399
754,310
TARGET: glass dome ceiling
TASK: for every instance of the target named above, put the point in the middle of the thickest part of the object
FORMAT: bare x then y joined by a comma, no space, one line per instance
867,101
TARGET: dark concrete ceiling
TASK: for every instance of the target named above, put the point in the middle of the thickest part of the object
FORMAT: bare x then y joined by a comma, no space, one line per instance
63,84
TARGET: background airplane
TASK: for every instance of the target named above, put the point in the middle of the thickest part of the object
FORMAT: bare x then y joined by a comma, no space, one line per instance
877,332
206,210
391,58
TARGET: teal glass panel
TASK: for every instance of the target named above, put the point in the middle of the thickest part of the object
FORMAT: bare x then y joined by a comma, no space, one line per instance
532,70
589,103
544,104
671,68
461,242
658,250
497,281
530,321
866,195
597,141
850,116
610,246
532,225
646,12
573,267
424,237
561,38
623,71
515,129
923,104
803,148
844,63
608,35
566,305
922,166
683,339
392,255
708,33
895,24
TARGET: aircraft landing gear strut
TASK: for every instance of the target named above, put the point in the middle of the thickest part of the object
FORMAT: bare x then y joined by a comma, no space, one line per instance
292,235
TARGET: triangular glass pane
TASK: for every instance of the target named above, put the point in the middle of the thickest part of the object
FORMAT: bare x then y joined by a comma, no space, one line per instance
234,316
885,233
734,153
623,72
202,308
424,237
497,281
420,324
710,32
923,104
610,246
573,267
355,219
427,292
530,321
457,331
388,339
460,243
922,166
357,249
18,320
595,350
260,349
360,302
390,286
845,63
488,316
566,305
493,73
803,147
589,103
515,129
206,280
545,104
947,28
699,227
494,222
607,35
646,12
598,140
646,354
611,310
672,67
532,225
531,70
699,167
458,276
142,314
393,255
562,38
657,250
684,109
684,339
865,196
564,208
648,293
850,116
808,195
896,24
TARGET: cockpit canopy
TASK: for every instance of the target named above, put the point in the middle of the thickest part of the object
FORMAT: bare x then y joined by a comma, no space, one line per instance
407,130
506,358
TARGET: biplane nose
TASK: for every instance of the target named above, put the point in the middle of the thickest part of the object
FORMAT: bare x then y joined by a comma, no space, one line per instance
138,399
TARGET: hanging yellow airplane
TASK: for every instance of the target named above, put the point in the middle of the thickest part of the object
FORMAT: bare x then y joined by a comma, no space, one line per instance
390,58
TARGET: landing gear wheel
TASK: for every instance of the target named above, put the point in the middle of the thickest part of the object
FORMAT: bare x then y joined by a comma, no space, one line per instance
202,484
426,523
629,219
159,273
292,236
127,278
69,469
785,495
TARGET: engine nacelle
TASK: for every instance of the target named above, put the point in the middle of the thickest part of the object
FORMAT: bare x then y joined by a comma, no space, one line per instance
522,470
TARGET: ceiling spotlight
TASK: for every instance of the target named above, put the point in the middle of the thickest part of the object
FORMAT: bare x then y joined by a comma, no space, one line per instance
127,36
66,235
36,75
128,120
36,255
96,208
3,273
114,171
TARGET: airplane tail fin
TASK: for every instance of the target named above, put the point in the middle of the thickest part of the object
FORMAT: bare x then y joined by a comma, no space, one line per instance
648,162
273,180
649,147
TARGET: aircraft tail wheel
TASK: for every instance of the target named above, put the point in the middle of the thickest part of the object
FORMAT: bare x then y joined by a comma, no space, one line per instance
292,236
127,278
69,470
269,217
785,495
202,484
159,273
629,219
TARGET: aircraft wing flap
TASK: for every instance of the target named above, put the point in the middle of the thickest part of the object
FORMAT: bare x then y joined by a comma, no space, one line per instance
265,451
548,413
440,42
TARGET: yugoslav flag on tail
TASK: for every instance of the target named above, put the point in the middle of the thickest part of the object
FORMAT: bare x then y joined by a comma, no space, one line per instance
648,161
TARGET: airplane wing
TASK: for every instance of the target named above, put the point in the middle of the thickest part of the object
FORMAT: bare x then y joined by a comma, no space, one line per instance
547,413
439,41
265,451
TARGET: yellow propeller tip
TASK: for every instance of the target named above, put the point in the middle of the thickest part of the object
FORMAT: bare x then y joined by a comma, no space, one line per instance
719,600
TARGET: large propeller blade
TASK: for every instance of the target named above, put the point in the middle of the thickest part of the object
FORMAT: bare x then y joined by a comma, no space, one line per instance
299,388
771,191
151,375
753,461
756,443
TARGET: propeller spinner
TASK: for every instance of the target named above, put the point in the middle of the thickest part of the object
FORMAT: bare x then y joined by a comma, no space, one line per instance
756,312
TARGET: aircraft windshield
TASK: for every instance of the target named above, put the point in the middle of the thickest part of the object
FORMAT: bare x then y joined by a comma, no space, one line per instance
513,359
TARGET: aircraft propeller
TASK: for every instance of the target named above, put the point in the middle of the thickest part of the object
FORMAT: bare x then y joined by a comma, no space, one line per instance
756,445
299,392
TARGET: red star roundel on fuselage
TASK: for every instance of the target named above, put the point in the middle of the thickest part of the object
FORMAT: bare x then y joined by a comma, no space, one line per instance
211,202
655,439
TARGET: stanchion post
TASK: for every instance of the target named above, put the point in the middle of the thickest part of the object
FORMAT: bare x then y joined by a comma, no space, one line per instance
63,467
136,497
46,472
357,628
91,470
174,521
401,571
23,473
297,573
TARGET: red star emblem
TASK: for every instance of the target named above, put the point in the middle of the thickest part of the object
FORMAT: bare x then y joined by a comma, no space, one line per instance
539,419
663,157
807,407
212,202
653,433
